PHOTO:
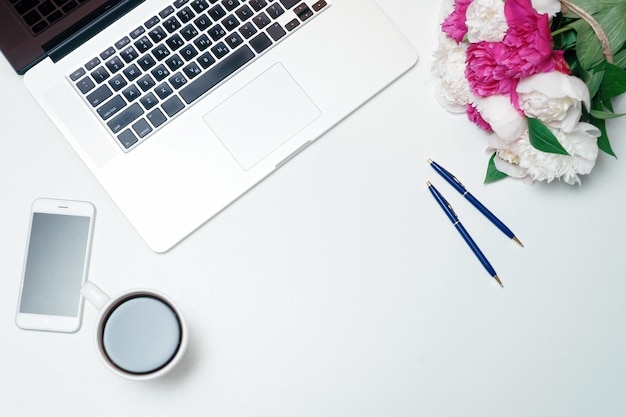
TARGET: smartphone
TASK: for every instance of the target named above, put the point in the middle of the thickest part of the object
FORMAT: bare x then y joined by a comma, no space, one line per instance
55,265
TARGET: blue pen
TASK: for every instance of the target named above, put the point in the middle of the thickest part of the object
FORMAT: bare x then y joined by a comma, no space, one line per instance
447,208
484,210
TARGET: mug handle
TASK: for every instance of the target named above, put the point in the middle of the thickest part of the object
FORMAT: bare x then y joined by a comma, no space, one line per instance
94,295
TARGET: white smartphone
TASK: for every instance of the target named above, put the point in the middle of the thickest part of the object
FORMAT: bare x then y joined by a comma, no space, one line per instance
55,265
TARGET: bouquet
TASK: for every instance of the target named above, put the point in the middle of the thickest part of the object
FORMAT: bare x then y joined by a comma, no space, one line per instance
539,75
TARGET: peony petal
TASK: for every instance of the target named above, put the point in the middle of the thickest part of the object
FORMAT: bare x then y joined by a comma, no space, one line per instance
503,118
509,169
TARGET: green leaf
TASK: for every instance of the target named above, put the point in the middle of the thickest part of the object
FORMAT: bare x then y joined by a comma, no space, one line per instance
543,139
620,59
493,174
610,15
603,141
614,82
603,115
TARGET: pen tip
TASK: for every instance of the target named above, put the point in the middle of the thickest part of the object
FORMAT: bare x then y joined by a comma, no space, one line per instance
519,242
428,184
430,161
498,280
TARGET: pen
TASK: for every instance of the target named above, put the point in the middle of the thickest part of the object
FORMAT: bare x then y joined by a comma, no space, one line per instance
447,208
484,210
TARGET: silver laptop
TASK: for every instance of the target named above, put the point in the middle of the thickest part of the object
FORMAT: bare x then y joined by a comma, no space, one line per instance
179,107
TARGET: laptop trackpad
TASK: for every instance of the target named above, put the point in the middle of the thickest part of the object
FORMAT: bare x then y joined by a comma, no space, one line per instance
262,116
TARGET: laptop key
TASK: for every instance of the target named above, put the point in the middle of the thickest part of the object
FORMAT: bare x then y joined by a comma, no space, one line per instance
230,23
317,6
100,74
171,24
189,32
292,24
143,44
261,20
137,32
160,72
166,12
202,42
117,83
180,3
188,52
216,12
156,117
230,4
244,12
185,15
175,42
160,52
206,60
77,74
142,128
119,122
99,95
109,52
233,40
114,64
202,23
146,82
220,50
127,138
146,62
199,5
258,4
122,42
149,101
85,85
174,62
92,63
177,80
289,3
215,75
172,106
275,11
303,12
131,93
192,70
111,107
129,54
132,72
163,91
260,42
276,31
157,34
152,22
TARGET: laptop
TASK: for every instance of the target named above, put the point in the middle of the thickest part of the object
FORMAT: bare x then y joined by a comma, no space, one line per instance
178,107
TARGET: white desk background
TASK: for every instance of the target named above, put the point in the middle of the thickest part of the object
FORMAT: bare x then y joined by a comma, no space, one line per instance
337,287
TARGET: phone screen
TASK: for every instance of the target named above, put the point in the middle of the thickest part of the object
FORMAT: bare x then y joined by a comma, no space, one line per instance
55,264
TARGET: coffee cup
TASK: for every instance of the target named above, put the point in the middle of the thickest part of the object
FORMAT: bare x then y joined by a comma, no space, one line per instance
140,334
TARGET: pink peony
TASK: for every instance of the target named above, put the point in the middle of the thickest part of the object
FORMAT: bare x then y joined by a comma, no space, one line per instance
496,68
454,25
474,115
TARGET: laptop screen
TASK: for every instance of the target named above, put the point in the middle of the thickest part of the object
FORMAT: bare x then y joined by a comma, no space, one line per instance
31,29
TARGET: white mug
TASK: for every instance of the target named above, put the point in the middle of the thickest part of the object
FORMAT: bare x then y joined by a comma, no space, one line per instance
140,334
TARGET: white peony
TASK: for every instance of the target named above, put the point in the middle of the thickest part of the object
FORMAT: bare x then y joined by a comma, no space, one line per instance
503,118
554,98
449,66
551,7
520,159
486,21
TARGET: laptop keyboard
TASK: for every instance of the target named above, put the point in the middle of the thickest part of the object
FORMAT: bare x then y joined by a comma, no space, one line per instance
40,14
152,75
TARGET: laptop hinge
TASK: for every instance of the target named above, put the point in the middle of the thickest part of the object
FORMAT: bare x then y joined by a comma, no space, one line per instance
69,40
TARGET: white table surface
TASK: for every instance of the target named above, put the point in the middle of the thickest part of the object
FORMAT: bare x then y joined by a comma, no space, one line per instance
337,287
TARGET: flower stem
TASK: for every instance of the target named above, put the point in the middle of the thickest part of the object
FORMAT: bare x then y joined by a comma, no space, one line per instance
562,30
